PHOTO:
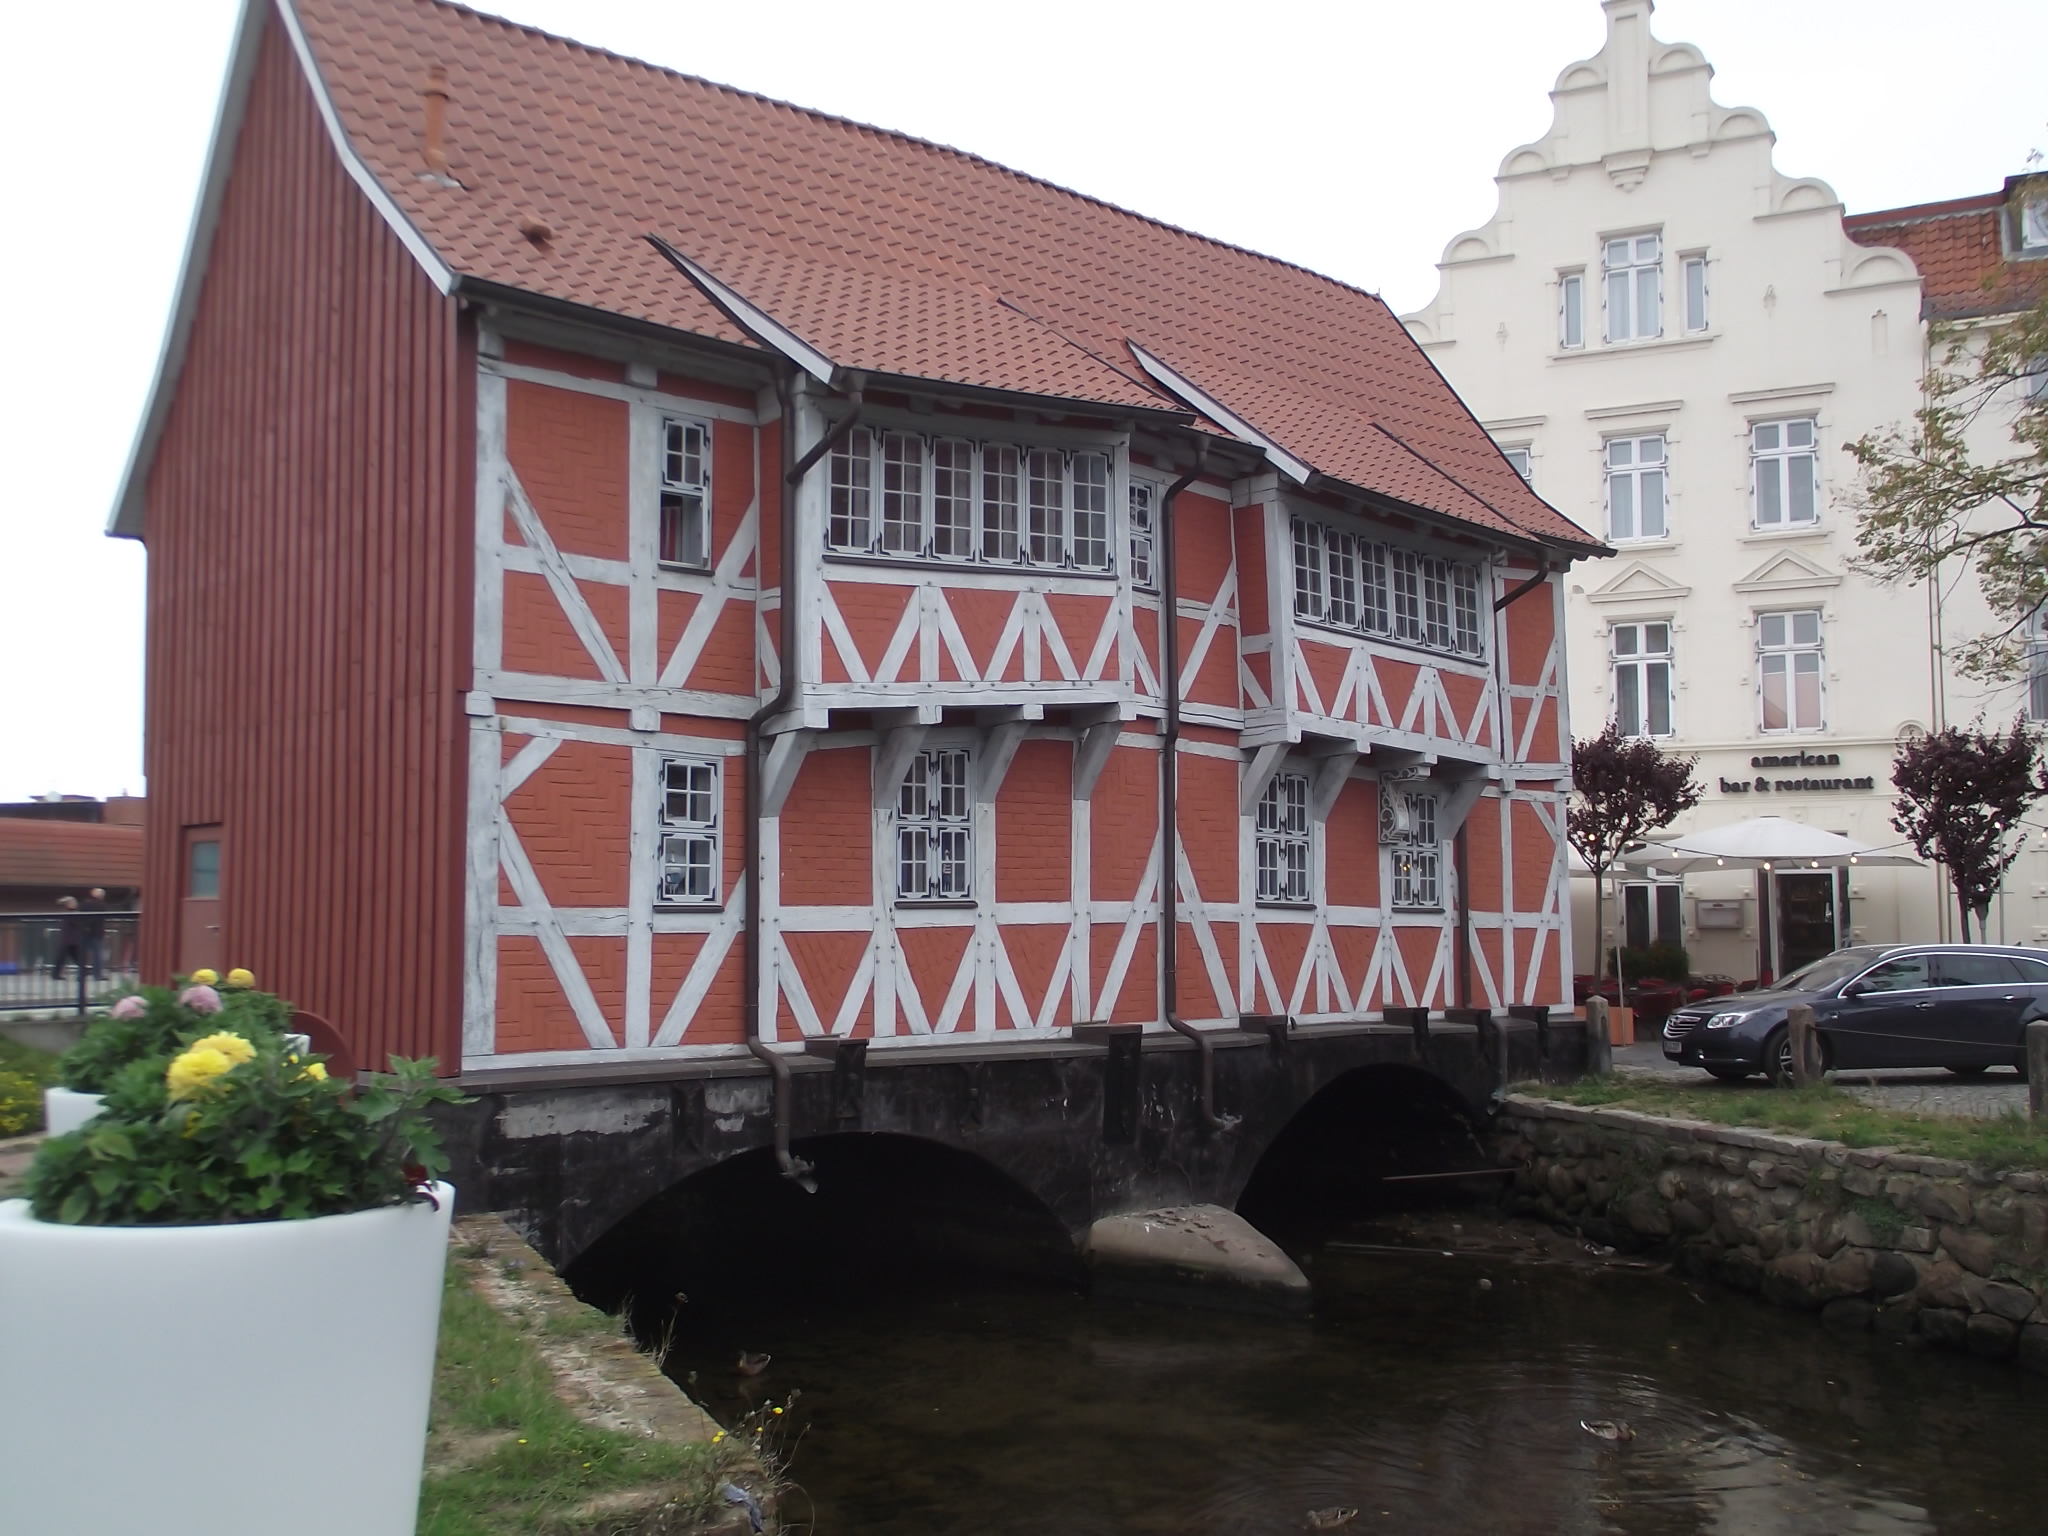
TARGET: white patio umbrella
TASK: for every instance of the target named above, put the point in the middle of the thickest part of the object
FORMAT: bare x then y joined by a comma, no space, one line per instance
1768,845
1763,842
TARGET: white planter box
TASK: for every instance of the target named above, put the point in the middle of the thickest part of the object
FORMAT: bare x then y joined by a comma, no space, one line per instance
242,1380
65,1109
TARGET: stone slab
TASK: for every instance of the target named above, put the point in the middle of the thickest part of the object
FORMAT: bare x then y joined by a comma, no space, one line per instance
1201,1255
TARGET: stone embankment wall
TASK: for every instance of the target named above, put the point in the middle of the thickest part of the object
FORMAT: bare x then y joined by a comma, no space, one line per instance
1869,1237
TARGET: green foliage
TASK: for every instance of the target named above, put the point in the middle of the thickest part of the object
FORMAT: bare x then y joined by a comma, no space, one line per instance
1825,1113
541,1467
270,1138
1961,796
21,1103
165,1027
1666,962
1926,499
1885,1220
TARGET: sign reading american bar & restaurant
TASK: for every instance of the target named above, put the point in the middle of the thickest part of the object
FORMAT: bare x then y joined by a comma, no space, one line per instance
1765,786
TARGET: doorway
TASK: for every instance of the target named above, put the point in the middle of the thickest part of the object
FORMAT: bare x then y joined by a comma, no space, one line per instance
199,868
1806,919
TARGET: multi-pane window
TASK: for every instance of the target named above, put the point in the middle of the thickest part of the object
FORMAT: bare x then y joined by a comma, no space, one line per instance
1634,269
901,493
1789,654
1519,457
1695,272
1635,488
935,829
1408,826
688,848
1144,496
685,537
1571,309
1349,583
1642,679
1784,469
1282,839
1652,914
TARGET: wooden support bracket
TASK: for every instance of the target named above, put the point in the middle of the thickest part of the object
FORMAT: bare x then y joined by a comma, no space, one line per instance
1259,773
900,743
786,754
1331,773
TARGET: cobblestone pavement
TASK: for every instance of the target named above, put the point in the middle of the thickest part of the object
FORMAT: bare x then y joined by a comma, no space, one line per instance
1998,1092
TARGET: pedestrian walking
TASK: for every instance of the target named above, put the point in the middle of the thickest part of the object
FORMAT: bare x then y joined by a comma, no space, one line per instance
70,937
94,908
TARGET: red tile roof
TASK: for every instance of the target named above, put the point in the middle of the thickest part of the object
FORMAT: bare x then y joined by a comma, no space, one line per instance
886,253
1958,248
69,853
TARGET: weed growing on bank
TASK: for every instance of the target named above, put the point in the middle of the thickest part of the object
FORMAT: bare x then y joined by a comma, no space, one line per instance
1826,1113
24,1073
505,1455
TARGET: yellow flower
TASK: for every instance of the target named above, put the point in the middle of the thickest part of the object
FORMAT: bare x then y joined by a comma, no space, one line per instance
241,977
232,1046
315,1071
205,976
718,1437
194,1069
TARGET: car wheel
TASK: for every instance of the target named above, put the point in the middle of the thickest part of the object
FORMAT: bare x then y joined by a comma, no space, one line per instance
1972,1071
1778,1057
1731,1074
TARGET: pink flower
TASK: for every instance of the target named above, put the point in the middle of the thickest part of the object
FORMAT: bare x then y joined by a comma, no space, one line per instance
200,999
130,1007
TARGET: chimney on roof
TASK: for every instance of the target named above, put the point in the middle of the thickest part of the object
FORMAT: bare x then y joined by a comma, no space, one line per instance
434,142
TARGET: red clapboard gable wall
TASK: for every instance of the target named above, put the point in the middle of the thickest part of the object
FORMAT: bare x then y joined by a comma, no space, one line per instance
308,521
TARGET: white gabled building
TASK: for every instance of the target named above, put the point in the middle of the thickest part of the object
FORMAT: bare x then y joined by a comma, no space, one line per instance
1674,340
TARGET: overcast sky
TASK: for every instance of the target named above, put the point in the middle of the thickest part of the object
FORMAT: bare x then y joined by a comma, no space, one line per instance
1355,138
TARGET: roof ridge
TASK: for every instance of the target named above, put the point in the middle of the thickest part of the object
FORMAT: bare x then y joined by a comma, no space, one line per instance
898,134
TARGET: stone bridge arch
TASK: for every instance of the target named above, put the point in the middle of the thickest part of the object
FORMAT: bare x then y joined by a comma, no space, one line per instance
566,1162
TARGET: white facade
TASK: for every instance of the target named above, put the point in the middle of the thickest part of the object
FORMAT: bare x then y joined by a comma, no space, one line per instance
1677,340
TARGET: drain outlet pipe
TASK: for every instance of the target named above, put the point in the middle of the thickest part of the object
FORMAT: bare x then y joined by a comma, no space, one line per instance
794,1168
1169,802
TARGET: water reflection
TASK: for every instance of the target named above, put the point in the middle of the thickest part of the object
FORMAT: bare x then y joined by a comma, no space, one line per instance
1427,1403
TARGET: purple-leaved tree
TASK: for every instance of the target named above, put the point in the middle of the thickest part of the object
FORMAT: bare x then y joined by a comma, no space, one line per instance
1961,796
1623,789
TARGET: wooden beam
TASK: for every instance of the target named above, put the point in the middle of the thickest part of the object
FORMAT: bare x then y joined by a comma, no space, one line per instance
1091,756
786,754
1259,773
1331,773
898,746
1003,742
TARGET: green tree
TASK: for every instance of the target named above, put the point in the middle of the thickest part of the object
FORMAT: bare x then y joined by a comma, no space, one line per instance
1926,499
1623,789
1961,796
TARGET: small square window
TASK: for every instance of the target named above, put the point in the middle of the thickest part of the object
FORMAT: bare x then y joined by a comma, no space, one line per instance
685,535
688,850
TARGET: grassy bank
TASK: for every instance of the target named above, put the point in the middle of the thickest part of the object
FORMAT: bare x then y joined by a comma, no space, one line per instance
507,1455
1826,1113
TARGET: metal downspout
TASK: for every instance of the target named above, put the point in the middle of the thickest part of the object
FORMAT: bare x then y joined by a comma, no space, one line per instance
793,1167
1169,803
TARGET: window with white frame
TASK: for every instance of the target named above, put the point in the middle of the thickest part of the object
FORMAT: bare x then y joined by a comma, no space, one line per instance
908,495
1144,501
1636,470
1519,457
685,535
1571,309
1282,839
2030,222
1694,269
935,828
1784,473
1349,583
1789,655
1633,266
1642,679
688,834
1408,827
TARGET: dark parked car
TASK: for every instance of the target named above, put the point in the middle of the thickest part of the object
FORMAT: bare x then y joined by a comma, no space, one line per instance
1960,1006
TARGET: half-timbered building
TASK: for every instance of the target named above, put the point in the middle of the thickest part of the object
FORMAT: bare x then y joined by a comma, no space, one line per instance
642,570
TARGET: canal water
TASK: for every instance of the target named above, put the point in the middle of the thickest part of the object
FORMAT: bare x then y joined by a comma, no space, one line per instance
1441,1388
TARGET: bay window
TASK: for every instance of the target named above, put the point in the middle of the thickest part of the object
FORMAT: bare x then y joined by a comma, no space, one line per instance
1349,583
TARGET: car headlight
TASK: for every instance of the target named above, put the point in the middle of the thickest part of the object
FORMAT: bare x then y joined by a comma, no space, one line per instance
1727,1020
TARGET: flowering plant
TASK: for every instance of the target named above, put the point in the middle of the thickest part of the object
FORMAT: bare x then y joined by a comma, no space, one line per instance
233,1125
156,1021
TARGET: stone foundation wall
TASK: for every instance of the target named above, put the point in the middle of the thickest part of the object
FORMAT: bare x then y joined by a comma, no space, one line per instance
1869,1237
